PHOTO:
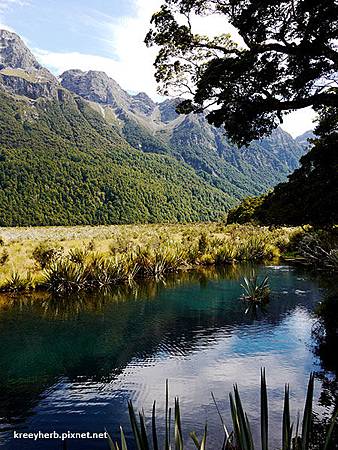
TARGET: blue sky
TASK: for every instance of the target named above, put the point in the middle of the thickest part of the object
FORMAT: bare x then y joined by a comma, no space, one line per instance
66,26
104,35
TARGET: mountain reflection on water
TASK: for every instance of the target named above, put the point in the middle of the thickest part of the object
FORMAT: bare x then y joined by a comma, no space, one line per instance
72,363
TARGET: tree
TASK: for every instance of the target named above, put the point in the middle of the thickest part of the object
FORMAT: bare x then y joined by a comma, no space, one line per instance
288,60
311,193
310,196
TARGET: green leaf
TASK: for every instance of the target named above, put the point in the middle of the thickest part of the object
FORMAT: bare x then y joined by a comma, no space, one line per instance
111,444
154,432
195,439
330,430
178,430
123,440
286,431
307,416
264,412
134,426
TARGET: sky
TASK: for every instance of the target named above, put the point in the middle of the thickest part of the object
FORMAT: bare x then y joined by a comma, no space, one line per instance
106,35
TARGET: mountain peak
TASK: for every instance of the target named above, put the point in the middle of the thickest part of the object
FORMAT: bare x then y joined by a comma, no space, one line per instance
15,54
144,97
168,109
93,85
143,103
303,139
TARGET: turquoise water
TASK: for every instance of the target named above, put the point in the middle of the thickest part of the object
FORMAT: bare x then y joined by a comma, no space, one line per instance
72,364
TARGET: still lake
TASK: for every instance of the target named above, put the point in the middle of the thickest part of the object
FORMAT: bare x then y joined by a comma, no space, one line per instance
72,364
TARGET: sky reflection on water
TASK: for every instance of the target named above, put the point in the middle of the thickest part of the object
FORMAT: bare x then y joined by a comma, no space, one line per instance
73,367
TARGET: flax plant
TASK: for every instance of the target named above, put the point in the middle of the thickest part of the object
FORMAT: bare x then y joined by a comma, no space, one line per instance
240,438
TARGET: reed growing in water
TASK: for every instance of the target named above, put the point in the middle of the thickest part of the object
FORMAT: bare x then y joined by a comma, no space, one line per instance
295,436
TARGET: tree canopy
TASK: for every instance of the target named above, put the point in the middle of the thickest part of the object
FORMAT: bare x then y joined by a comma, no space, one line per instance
288,59
311,193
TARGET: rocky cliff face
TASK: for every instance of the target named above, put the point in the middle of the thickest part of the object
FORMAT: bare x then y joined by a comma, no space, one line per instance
15,54
95,86
20,72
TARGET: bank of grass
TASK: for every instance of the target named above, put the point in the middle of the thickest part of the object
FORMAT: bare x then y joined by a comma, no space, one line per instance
76,258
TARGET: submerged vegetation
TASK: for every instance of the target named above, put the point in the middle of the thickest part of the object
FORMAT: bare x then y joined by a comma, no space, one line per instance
65,260
295,436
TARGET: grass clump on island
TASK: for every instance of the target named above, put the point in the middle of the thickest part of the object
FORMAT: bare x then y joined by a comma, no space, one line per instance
66,259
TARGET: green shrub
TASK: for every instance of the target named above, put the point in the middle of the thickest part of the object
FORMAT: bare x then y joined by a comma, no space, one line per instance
255,248
77,255
107,272
64,276
17,283
203,243
320,249
157,262
228,253
246,211
45,255
4,257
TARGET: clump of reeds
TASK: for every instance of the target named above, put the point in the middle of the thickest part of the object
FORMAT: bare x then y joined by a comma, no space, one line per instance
65,276
149,251
69,274
295,436
103,272
77,255
17,283
155,262
256,293
251,248
4,257
45,254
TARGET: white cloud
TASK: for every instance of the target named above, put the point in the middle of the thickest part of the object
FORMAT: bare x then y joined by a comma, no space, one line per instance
3,26
8,4
131,63
298,122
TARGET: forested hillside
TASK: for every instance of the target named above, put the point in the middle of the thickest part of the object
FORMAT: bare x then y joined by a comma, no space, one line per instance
84,151
62,164
157,128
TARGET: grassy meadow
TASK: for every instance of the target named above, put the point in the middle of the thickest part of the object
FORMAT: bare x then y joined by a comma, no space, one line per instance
72,258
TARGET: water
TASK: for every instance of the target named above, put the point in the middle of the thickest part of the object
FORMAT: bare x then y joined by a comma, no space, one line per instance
73,364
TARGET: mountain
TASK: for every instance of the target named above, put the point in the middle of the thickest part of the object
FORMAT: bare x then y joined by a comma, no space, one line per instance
303,139
80,149
20,73
158,128
62,163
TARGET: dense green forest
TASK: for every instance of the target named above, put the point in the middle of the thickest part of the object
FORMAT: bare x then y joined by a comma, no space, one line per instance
311,193
61,164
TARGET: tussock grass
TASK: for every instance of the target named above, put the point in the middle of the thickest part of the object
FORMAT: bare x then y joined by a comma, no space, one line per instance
66,259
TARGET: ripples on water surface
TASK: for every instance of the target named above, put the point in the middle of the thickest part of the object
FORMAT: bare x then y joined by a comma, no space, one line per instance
72,365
